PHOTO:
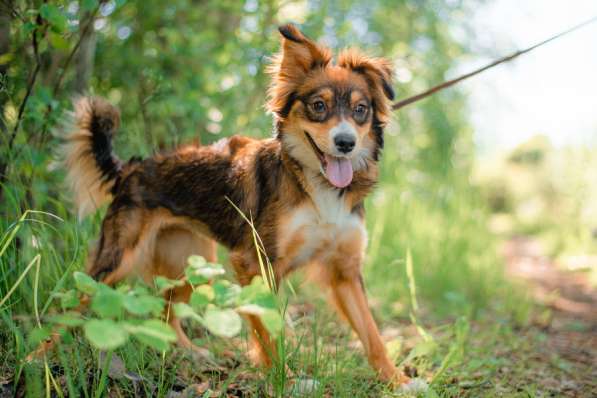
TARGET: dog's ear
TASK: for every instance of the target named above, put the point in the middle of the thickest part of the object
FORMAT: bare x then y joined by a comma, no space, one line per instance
298,56
299,53
378,73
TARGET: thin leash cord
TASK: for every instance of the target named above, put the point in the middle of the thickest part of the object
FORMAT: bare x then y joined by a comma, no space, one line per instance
448,83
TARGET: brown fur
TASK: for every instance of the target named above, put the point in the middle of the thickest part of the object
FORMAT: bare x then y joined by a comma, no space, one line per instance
175,204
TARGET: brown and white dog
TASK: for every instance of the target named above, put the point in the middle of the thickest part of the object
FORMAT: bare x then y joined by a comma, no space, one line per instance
304,188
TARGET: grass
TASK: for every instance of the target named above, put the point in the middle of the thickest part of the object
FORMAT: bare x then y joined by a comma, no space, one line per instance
447,311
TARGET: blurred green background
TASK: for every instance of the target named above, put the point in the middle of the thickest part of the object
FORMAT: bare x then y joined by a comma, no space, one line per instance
182,70
194,70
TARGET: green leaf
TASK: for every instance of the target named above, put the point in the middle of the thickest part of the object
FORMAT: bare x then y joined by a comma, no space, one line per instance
422,349
58,41
69,299
210,270
196,261
199,271
154,333
88,5
85,283
105,334
273,321
226,293
37,335
72,319
193,278
54,16
202,296
183,310
143,304
65,336
257,293
28,27
165,284
271,318
224,323
107,302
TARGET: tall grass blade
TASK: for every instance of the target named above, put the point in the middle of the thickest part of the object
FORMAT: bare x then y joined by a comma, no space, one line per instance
268,276
412,287
20,279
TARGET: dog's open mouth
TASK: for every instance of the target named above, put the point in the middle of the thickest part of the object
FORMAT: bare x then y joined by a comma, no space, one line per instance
337,170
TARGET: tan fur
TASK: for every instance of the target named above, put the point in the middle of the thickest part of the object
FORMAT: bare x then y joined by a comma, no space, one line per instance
376,69
290,67
158,243
83,176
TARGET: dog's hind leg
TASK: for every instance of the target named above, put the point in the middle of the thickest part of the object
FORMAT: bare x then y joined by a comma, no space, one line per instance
173,247
149,244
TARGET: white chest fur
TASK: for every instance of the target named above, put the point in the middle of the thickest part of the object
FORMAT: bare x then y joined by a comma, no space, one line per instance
319,227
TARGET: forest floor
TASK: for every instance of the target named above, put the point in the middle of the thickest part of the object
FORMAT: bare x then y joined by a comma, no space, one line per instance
550,351
561,356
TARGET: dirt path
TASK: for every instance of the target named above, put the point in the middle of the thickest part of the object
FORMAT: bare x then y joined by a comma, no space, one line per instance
567,324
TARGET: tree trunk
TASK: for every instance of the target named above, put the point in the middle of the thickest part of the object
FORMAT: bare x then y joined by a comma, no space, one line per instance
5,19
85,54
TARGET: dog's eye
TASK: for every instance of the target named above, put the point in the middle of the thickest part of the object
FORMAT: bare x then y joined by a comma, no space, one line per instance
360,110
318,106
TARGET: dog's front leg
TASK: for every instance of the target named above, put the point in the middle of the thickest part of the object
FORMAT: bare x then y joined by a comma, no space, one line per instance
263,347
348,294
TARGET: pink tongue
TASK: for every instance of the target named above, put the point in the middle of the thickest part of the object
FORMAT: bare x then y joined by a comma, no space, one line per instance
338,171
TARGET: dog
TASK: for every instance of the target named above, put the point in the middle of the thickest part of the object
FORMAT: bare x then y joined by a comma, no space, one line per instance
304,189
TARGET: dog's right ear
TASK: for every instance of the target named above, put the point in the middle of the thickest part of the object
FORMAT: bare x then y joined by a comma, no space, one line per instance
299,53
298,56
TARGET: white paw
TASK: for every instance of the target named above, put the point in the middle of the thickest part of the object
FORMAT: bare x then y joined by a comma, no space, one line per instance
413,387
305,387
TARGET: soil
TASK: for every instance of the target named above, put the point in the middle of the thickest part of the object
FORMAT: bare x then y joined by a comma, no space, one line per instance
567,320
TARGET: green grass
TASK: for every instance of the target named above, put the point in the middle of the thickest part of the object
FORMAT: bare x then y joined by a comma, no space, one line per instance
456,279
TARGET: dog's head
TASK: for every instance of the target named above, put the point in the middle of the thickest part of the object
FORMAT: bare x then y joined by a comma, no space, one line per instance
330,116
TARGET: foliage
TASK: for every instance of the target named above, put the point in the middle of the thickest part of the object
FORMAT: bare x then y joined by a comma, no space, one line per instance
183,70
214,303
546,191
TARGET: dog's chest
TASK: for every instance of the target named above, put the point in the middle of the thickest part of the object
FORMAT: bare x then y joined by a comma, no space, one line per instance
318,228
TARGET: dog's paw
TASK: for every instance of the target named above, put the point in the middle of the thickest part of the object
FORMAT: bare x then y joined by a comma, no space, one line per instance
304,387
413,387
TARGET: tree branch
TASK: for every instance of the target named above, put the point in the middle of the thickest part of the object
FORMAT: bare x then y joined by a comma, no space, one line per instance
72,53
30,84
58,83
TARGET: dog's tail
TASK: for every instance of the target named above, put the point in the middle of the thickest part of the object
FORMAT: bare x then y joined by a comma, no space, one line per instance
92,168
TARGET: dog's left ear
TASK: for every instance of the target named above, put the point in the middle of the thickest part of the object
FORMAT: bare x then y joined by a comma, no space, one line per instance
377,72
298,56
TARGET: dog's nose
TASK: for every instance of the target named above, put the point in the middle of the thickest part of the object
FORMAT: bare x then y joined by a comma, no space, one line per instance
344,142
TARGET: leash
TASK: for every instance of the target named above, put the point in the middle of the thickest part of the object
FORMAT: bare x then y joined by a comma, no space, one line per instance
449,83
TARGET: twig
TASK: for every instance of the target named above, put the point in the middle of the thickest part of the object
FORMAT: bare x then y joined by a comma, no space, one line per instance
30,84
446,84
69,58
71,55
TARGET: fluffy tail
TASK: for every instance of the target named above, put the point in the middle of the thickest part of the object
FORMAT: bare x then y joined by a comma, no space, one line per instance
92,168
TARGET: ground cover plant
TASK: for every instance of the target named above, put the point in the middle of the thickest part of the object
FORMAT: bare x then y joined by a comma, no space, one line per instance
439,279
